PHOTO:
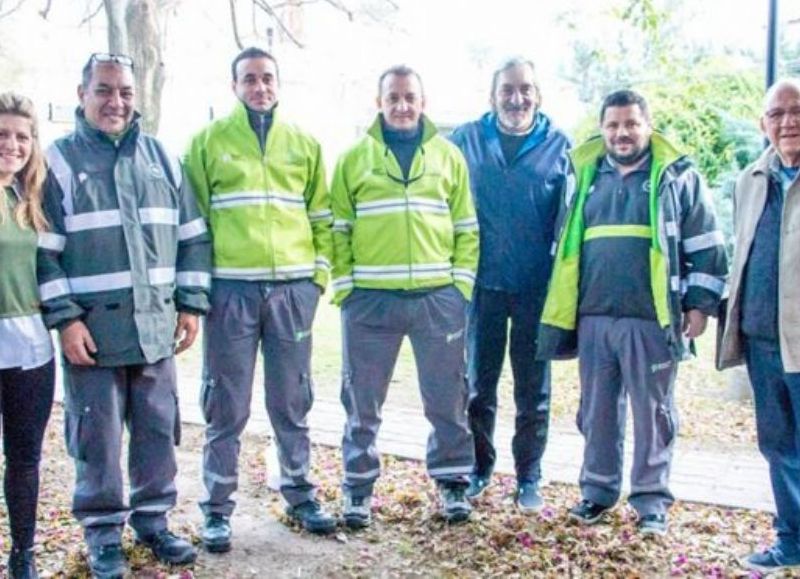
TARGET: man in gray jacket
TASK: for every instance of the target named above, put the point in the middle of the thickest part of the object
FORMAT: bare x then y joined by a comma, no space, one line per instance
763,316
639,267
123,275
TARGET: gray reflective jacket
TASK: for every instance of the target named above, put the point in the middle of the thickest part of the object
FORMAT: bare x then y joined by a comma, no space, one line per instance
127,245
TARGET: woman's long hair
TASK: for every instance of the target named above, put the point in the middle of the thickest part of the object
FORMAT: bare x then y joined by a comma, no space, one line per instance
28,212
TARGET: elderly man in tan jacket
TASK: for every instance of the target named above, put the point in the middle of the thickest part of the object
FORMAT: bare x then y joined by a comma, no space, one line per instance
763,318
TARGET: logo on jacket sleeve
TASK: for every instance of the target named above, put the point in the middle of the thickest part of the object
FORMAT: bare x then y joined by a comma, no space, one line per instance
156,171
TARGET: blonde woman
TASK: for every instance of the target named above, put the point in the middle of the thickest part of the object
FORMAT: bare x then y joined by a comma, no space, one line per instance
26,353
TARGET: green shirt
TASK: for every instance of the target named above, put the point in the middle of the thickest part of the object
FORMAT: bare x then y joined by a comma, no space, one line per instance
18,290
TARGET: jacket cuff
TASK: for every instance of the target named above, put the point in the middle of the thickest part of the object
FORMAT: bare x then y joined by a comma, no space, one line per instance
465,289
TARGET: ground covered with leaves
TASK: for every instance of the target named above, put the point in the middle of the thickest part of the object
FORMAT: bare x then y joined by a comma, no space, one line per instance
408,537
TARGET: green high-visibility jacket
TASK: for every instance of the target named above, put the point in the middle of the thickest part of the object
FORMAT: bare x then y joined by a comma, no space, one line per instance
688,266
392,232
268,212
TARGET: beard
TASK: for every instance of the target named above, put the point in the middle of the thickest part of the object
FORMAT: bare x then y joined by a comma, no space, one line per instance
518,126
631,158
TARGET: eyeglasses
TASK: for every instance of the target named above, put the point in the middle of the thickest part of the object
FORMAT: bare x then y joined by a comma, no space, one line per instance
106,57
776,116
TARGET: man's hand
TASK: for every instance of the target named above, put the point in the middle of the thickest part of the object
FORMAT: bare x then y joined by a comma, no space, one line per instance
185,331
694,323
77,344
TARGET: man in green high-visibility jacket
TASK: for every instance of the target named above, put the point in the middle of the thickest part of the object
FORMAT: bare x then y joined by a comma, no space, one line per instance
405,255
639,267
260,183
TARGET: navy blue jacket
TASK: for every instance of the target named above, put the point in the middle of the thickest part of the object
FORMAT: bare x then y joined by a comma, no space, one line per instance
517,203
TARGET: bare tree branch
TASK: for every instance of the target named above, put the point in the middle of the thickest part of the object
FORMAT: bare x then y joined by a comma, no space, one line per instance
339,6
92,14
45,11
279,21
272,10
234,23
11,10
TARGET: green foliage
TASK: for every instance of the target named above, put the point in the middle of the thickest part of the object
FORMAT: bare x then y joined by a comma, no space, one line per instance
707,104
710,112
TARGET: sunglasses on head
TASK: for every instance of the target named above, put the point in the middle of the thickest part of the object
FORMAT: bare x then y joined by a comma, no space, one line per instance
106,57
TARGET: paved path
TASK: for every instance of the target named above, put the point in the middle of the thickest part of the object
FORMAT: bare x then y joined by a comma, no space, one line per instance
736,478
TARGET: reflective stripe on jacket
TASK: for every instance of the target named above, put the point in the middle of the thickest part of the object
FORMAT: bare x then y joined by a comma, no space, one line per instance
127,245
396,233
269,212
687,254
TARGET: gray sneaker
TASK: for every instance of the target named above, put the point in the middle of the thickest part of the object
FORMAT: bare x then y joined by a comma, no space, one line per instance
477,485
455,506
653,524
357,511
528,499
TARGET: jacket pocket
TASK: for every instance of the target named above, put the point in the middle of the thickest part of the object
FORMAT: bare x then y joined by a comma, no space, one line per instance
667,421
111,324
177,427
206,394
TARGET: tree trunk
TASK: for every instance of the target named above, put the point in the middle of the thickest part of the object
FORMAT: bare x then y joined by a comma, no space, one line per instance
117,31
134,29
145,46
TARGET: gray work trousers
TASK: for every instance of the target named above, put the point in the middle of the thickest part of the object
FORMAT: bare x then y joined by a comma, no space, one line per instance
621,357
374,323
99,402
243,314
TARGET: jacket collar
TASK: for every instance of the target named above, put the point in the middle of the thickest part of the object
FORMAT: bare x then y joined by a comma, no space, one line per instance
93,134
16,188
663,152
537,135
240,118
767,162
429,130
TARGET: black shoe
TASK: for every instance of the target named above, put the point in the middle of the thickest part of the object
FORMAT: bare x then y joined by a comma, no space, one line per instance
216,535
169,548
313,517
22,564
455,506
587,512
107,561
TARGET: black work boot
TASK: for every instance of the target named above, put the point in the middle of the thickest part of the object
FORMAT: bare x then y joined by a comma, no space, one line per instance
22,564
216,535
107,561
168,548
313,517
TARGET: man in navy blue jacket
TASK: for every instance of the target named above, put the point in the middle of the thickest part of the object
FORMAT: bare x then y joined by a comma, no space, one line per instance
519,170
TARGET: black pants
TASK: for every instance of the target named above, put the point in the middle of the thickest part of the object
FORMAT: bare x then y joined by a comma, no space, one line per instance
487,336
26,397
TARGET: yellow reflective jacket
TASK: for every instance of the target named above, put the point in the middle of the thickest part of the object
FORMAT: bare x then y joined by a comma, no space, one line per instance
268,212
392,232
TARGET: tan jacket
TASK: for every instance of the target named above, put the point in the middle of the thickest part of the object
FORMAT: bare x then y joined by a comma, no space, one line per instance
749,199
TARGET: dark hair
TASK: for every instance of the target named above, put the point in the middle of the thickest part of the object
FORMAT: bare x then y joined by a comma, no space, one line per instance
103,58
399,70
624,98
253,52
